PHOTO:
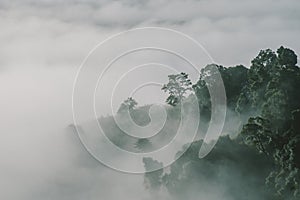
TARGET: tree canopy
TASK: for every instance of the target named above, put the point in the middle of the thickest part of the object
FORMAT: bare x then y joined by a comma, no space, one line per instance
128,104
265,99
177,87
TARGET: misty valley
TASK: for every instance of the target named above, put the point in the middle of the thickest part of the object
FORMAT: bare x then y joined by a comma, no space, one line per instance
257,155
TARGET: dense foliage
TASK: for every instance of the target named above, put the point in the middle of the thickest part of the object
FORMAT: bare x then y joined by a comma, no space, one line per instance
258,156
128,105
264,116
177,87
273,81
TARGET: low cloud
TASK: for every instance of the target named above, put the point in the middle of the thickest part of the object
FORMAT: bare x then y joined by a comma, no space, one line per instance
44,42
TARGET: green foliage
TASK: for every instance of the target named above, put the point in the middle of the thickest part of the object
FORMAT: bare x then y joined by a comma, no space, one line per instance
263,100
152,179
128,104
272,92
283,147
230,170
177,87
266,100
258,133
234,80
286,57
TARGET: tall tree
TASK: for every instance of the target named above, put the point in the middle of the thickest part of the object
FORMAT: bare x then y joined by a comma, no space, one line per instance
267,99
273,81
177,87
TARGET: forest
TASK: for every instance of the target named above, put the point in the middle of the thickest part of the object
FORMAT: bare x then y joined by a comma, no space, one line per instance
258,154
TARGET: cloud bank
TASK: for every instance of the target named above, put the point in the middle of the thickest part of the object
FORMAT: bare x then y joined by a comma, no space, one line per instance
44,42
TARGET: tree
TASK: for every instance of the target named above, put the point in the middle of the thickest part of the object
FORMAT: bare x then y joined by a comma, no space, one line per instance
128,104
152,180
286,57
263,68
267,100
234,80
177,87
273,81
231,166
281,147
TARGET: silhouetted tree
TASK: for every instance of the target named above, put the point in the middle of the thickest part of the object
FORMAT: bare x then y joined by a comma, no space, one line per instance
267,99
128,104
177,87
273,92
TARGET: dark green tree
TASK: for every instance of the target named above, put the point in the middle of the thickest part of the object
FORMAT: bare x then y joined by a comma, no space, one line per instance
128,104
231,166
177,87
272,92
267,101
234,80
286,57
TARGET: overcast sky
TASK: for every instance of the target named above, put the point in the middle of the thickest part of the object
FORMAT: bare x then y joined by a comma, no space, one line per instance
59,33
43,42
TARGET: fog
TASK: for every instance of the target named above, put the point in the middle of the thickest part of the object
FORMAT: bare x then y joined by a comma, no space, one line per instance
40,157
42,46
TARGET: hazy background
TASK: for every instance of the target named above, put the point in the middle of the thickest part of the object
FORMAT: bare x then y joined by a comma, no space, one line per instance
42,44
